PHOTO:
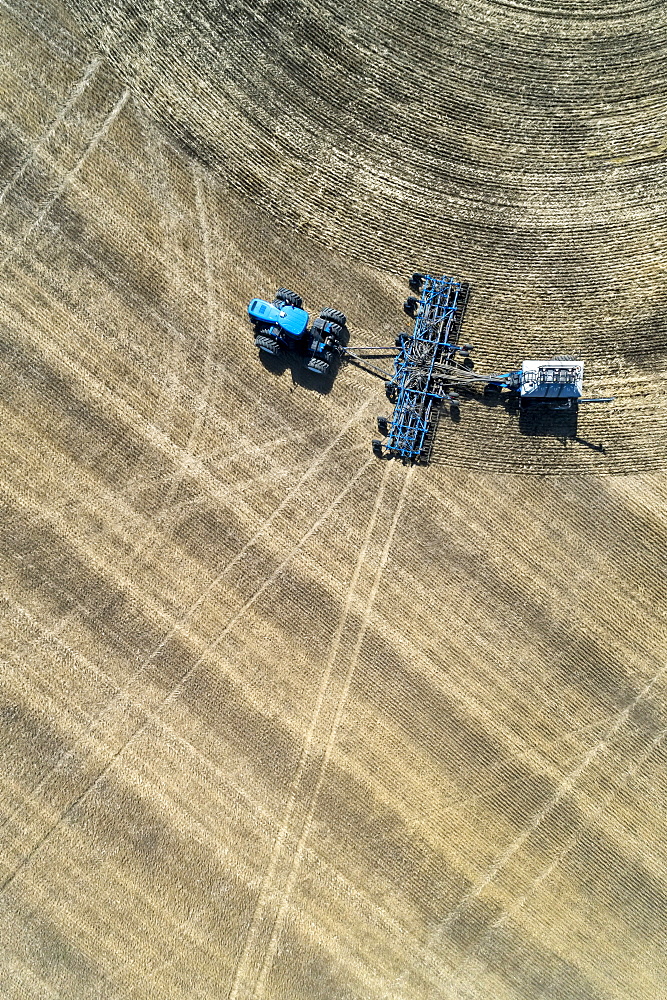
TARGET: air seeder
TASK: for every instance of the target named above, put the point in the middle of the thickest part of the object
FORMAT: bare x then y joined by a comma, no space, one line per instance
430,364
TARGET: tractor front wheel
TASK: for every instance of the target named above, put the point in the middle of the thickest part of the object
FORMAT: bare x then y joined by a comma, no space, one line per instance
289,298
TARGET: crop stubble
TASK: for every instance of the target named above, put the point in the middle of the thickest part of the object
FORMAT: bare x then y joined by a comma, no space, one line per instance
278,721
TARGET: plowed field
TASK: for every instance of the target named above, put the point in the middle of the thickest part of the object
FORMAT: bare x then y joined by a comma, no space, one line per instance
278,720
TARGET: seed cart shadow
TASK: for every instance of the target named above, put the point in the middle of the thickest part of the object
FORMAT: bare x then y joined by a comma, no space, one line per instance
535,420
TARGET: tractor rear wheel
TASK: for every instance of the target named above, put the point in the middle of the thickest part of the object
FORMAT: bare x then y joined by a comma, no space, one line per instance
288,297
335,316
336,330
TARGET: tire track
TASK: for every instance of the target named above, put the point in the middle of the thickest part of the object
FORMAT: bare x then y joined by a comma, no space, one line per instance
245,965
171,217
211,325
188,673
76,93
70,175
513,908
50,636
291,495
566,786
254,986
170,512
340,709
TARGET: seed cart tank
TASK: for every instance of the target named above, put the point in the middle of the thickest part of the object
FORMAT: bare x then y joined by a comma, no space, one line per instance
557,382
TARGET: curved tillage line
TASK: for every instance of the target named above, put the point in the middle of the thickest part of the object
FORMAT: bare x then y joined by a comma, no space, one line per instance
210,648
245,971
542,178
70,175
259,988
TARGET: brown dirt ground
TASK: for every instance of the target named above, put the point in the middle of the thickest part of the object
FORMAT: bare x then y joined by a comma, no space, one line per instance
278,720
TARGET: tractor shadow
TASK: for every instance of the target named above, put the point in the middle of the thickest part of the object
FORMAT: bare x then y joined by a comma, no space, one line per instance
296,363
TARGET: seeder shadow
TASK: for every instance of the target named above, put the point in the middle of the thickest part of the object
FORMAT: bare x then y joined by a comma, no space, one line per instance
534,419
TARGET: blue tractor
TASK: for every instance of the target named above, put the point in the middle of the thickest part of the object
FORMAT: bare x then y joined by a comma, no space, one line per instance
282,325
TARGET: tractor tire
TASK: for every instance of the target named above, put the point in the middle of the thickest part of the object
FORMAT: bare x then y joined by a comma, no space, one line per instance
334,316
267,344
319,366
288,297
336,331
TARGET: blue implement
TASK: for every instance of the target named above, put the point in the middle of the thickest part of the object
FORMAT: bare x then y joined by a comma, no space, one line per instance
416,387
